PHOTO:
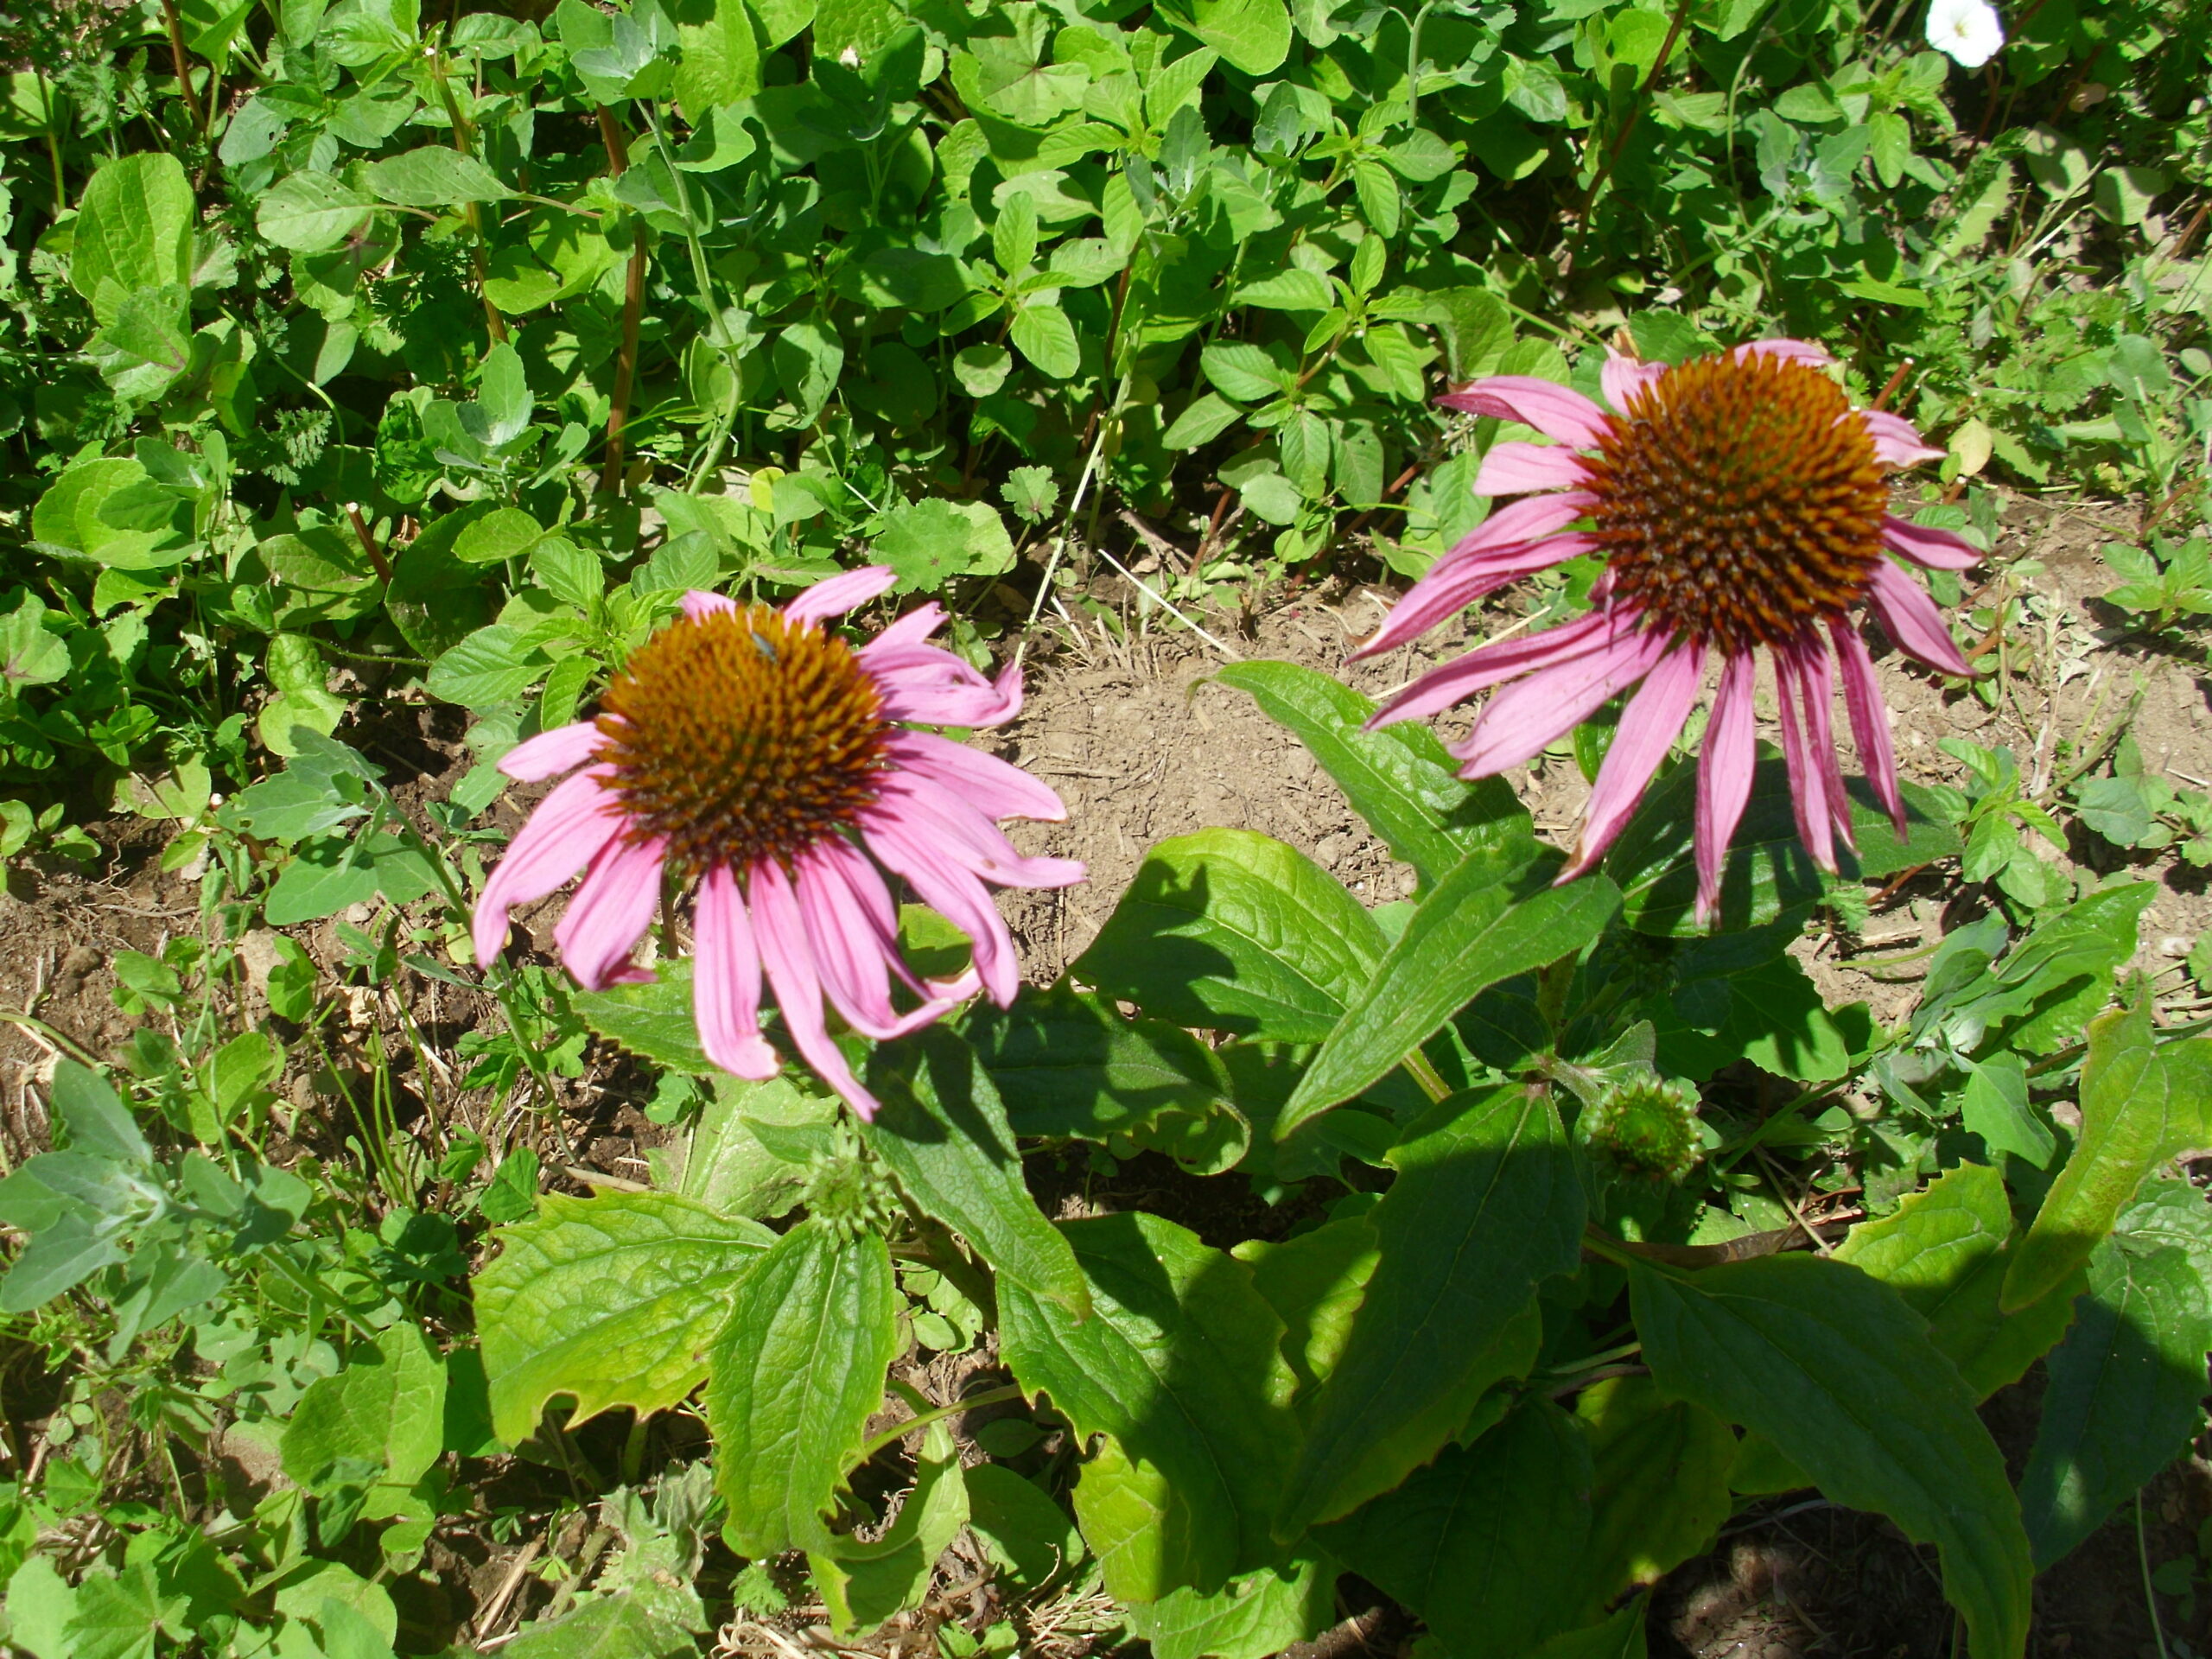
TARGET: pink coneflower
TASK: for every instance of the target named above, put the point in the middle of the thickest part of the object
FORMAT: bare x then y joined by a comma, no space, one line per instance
1740,503
749,753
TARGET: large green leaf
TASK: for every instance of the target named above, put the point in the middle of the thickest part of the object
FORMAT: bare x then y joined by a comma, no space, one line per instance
1946,1251
612,1299
1179,1364
1495,916
310,211
1238,932
652,1020
2126,1386
1250,1617
1768,870
434,176
2139,1105
1398,780
1486,1205
386,1407
943,1131
1660,1484
1835,1369
795,1374
1486,1542
1315,1281
133,231
1252,34
1067,1065
865,1584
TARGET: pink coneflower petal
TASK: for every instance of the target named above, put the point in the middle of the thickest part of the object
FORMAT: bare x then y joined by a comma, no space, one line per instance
726,986
1816,680
855,943
1451,585
550,754
1870,719
923,683
1897,442
1497,662
698,605
962,830
1936,549
1723,776
1908,616
1794,351
788,961
1650,725
1531,713
911,629
1516,467
1808,792
1557,411
611,911
1621,378
561,836
840,594
996,789
946,884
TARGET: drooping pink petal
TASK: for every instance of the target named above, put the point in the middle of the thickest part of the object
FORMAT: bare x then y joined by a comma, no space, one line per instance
1924,544
911,629
1557,411
1897,442
841,594
550,754
1723,778
726,986
1870,719
1908,616
934,687
788,961
855,945
1622,378
942,880
957,825
1816,677
1488,665
1521,522
1515,467
1521,721
1808,796
1794,351
562,836
1450,585
611,911
997,790
699,605
1650,725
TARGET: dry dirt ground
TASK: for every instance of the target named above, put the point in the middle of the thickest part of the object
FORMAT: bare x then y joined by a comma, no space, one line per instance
1125,719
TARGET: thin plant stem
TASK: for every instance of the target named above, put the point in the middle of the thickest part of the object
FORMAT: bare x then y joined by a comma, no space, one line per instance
898,1432
200,118
633,305
2149,1593
1059,547
1419,1068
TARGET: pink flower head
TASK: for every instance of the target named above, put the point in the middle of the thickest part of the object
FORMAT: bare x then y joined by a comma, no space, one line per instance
1740,504
752,756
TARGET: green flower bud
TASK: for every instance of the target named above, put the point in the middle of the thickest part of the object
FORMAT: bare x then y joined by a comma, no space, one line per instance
1644,1125
847,1191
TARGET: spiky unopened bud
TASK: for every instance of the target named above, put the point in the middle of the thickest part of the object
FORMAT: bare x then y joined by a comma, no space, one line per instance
847,1190
1644,1125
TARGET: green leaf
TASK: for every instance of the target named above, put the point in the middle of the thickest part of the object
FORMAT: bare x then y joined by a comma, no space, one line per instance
1179,1362
1723,1009
653,1019
1251,1617
1067,1065
1315,1281
434,176
1043,333
492,665
864,1585
1486,1205
2125,1392
1238,932
386,1407
1484,1543
1841,1375
2140,1106
133,229
1400,780
942,1130
1768,871
312,213
1495,916
1291,288
795,1373
620,1624
729,1165
93,1117
1946,1251
1028,1535
1254,35
1661,1489
612,1299
67,520
931,543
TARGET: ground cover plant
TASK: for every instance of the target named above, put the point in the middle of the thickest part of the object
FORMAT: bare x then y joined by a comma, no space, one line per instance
428,423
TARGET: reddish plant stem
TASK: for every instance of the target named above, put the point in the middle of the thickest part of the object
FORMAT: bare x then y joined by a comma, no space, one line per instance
376,561
1896,380
1620,139
199,117
633,305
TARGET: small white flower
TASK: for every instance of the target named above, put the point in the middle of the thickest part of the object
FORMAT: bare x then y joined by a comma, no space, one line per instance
1967,31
